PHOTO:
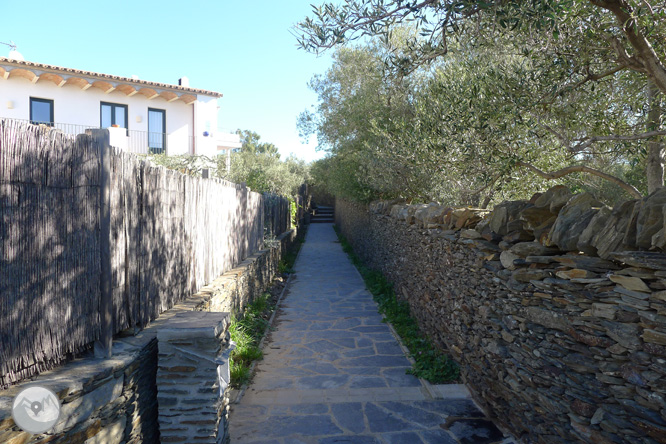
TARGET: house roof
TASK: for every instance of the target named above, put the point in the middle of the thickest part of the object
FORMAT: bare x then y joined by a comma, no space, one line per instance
85,79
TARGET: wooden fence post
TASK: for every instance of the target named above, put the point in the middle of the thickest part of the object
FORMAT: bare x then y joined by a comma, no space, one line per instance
104,345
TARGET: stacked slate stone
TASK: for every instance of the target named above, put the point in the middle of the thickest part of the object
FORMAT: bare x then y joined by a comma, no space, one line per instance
111,401
555,307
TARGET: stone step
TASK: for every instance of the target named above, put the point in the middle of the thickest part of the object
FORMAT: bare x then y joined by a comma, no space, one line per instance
323,215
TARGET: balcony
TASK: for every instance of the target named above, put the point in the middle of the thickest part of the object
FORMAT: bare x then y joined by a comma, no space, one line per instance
175,143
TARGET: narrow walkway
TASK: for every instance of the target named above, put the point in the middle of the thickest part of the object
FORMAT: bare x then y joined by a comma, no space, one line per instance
334,373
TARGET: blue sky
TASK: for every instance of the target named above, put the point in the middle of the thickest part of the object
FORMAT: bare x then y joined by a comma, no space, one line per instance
242,49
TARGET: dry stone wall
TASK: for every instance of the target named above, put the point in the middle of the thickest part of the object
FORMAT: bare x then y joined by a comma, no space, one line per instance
558,345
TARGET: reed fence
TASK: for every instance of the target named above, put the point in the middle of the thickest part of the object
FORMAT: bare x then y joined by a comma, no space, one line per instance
165,236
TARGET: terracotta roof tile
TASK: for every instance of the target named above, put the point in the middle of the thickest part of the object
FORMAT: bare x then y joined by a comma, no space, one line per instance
78,72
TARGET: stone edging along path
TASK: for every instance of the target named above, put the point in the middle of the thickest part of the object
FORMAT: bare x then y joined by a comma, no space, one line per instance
334,372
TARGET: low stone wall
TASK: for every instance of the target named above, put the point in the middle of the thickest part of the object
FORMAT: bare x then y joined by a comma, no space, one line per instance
232,291
113,401
559,347
192,378
103,401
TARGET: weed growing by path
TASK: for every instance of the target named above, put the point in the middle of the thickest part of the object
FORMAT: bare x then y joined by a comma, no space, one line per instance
431,364
286,264
247,332
247,329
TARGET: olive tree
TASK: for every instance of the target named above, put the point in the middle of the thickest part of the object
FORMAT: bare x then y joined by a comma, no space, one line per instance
578,52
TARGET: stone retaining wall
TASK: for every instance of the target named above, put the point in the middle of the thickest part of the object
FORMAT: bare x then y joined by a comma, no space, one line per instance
114,401
192,378
559,347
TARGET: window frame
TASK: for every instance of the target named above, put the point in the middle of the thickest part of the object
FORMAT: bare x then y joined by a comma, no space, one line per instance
164,131
113,114
51,113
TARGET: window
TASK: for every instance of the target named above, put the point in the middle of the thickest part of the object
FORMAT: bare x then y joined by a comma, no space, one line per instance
41,111
113,114
156,131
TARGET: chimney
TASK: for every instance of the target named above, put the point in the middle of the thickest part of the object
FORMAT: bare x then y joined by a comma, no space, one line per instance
184,81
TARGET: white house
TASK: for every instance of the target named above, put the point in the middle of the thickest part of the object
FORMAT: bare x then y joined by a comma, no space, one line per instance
146,117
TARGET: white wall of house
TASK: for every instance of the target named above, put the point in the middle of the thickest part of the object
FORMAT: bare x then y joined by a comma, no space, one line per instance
78,107
205,125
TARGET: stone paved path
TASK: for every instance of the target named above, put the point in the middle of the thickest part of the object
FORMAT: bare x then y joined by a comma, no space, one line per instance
334,373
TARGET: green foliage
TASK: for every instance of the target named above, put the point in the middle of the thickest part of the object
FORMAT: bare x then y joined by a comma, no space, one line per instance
293,212
259,166
430,363
457,133
247,332
286,264
184,163
250,143
453,107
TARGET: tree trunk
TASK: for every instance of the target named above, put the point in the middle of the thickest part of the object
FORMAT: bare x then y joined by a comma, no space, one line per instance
582,169
655,157
645,58
486,201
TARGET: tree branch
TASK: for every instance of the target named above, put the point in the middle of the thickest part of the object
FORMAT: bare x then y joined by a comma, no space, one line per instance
489,184
623,56
581,169
563,140
590,77
646,59
589,141
355,21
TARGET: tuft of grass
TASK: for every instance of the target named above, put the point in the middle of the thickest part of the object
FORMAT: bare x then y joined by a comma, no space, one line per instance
286,264
430,363
246,331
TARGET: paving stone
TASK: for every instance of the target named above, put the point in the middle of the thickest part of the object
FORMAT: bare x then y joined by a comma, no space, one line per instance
245,410
310,408
359,352
372,329
344,342
389,348
321,368
322,346
423,418
377,361
321,381
349,416
268,383
397,377
381,336
462,408
331,334
402,438
283,426
367,382
347,323
364,342
299,352
437,436
362,370
263,441
379,420
356,439
475,431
